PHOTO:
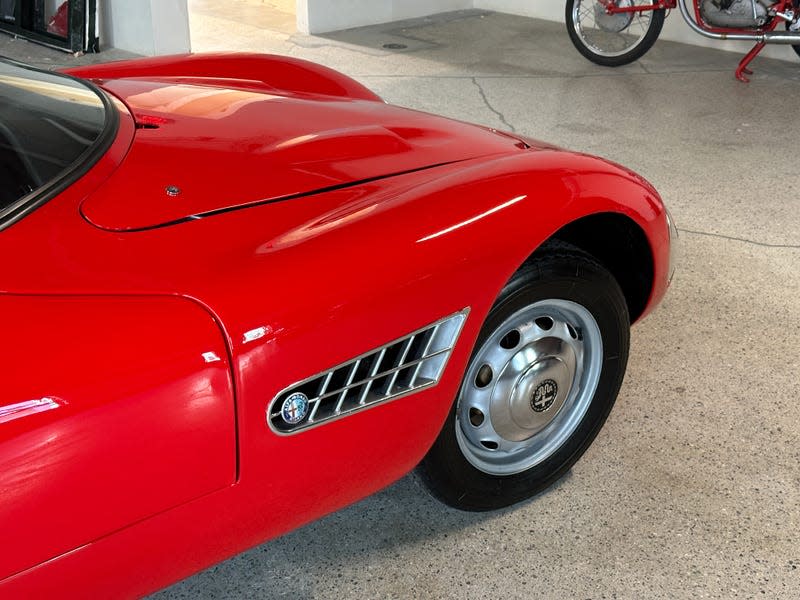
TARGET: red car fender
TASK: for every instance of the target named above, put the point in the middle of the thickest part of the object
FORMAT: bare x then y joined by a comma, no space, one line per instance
327,277
278,72
463,229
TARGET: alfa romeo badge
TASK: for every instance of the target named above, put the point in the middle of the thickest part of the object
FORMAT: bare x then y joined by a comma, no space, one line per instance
544,395
295,408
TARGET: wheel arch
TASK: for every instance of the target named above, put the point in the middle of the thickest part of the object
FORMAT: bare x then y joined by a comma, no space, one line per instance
621,246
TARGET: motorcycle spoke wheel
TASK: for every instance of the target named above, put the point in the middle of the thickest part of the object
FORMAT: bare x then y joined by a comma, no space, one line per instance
612,39
795,47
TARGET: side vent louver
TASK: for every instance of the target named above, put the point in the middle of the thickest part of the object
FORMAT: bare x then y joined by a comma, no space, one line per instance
401,367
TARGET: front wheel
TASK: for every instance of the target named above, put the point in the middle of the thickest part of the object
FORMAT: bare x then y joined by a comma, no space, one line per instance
795,47
612,40
542,379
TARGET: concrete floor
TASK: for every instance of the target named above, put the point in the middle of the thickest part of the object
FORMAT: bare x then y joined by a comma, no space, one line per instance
244,25
692,489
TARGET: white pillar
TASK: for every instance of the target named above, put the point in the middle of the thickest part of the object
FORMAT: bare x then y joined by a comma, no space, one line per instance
149,27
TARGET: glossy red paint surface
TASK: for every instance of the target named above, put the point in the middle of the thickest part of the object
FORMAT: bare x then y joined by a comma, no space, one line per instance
141,421
277,72
256,146
325,276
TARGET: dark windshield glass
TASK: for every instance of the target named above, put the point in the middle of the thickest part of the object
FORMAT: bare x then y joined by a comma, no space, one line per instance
48,122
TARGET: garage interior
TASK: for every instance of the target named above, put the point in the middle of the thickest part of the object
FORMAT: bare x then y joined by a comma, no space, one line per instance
692,489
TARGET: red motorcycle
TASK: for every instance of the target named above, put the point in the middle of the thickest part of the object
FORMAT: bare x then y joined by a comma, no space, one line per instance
617,32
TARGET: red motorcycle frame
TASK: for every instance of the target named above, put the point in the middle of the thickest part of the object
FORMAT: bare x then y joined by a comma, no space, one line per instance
781,11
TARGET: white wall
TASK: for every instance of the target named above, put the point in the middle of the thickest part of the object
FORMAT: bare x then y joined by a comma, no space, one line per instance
149,27
552,10
674,27
153,27
319,16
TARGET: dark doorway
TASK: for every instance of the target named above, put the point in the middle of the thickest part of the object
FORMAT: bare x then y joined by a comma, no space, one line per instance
65,24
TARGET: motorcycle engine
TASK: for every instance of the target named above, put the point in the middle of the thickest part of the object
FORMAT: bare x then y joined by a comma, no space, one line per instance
735,13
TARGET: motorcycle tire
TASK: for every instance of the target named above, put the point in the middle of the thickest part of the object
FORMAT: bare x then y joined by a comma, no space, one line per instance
612,40
795,47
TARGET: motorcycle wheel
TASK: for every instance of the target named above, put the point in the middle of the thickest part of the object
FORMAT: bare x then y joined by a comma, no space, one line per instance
795,47
612,40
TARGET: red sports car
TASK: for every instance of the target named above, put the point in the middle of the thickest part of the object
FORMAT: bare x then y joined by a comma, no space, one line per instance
241,292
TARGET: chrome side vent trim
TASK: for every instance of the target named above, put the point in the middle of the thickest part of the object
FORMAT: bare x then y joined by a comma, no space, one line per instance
404,366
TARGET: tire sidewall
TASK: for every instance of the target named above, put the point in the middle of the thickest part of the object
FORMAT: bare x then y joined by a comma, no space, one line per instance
589,285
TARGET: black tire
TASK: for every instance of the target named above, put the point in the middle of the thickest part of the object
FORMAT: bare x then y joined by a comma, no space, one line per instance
613,57
795,47
562,275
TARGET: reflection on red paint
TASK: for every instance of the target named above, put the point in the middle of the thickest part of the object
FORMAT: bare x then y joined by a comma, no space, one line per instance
58,25
19,410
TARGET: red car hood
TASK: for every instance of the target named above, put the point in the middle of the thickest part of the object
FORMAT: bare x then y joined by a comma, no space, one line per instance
203,146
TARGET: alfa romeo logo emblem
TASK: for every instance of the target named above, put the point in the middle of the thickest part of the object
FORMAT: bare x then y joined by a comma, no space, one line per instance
544,395
295,408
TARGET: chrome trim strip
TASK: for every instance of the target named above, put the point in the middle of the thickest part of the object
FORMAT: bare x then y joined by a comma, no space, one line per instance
346,387
372,377
18,410
368,380
425,352
401,364
421,365
323,388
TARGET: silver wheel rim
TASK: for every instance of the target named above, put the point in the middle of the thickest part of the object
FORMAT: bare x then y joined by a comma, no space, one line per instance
529,386
610,35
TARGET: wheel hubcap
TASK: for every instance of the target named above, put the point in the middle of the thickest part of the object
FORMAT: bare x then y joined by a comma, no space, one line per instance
528,386
532,388
609,35
612,23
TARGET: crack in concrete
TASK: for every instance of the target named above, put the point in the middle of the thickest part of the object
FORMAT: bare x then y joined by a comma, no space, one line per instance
738,239
500,115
